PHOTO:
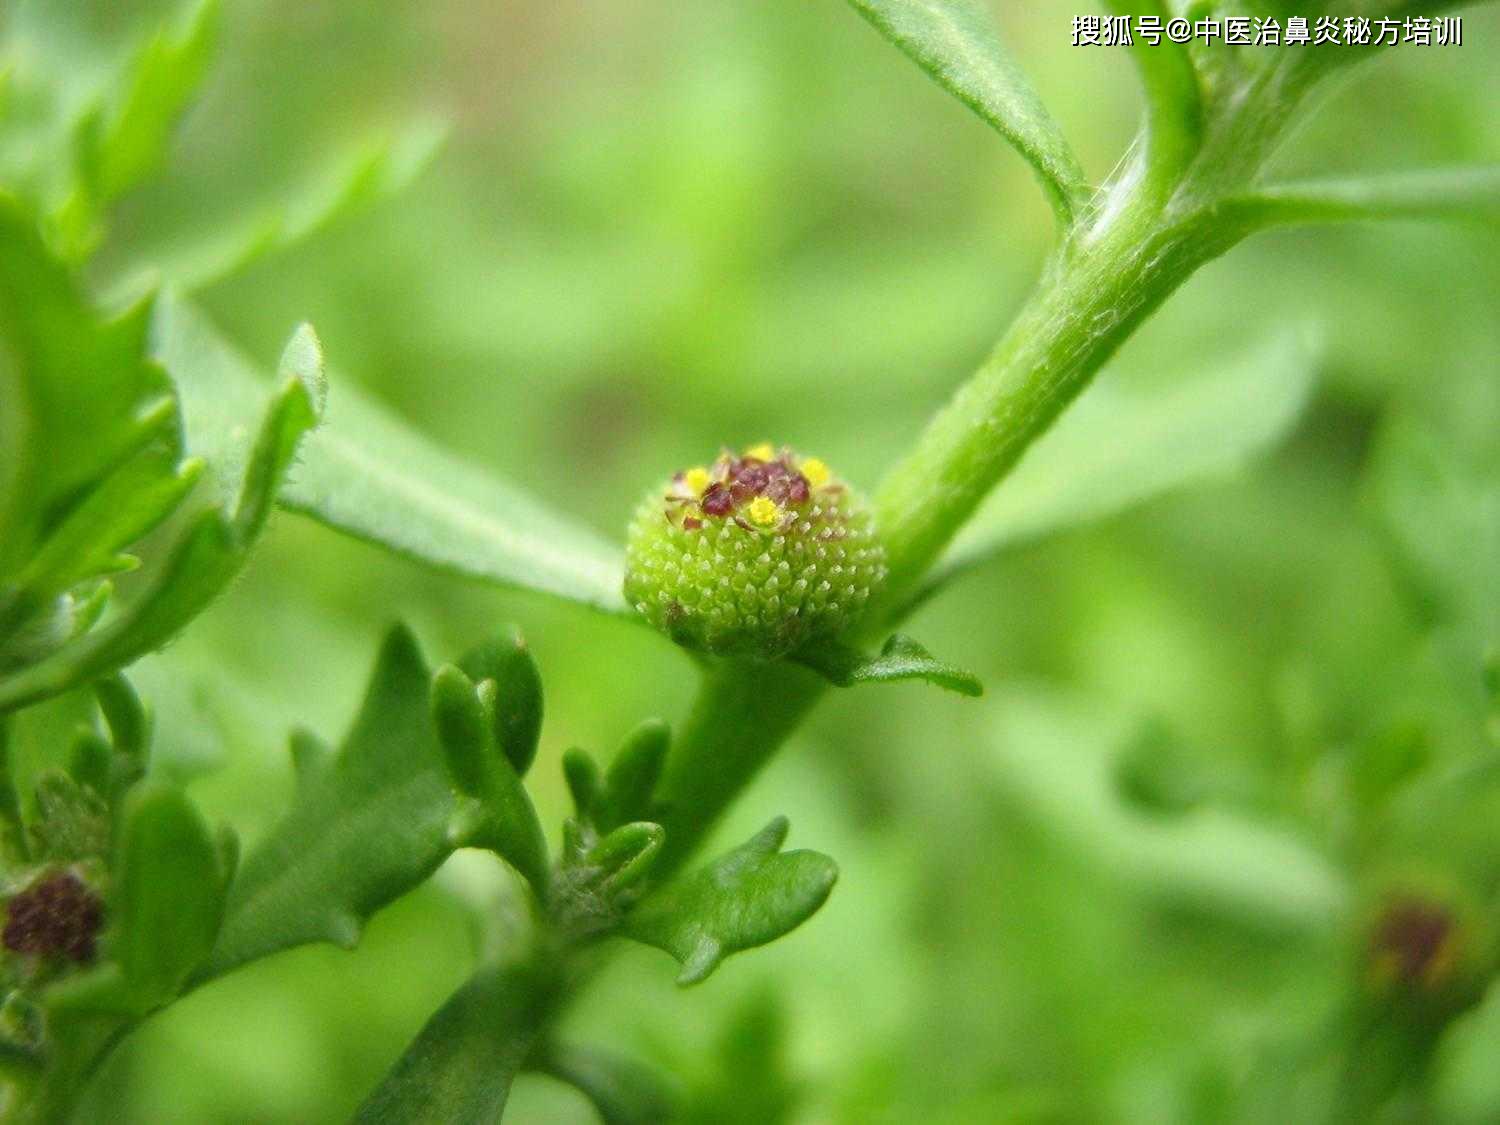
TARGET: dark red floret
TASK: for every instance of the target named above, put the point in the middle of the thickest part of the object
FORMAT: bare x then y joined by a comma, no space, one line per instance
56,916
1414,932
717,501
751,473
691,523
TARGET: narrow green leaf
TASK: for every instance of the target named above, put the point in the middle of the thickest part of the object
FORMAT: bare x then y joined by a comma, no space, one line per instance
161,80
495,811
514,710
362,830
624,857
901,658
623,1091
459,1069
582,775
1430,193
748,897
170,894
631,780
956,43
1118,447
376,170
366,473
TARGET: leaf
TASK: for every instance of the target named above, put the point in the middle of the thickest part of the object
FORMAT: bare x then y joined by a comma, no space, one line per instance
1120,446
119,145
901,658
366,473
1429,193
85,400
243,480
1174,111
495,811
748,897
378,169
631,780
515,715
365,827
459,1069
956,43
623,1091
170,894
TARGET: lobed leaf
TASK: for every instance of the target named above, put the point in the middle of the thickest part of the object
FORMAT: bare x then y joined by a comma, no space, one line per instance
1118,447
748,897
367,825
956,43
901,658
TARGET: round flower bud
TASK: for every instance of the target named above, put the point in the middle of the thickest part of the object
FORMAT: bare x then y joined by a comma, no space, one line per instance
752,555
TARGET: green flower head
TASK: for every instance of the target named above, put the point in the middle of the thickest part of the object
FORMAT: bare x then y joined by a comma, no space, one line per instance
753,555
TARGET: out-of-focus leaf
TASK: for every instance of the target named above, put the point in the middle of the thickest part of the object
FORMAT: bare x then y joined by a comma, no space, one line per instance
748,897
901,658
955,42
170,894
377,170
119,143
1118,447
1439,499
459,1069
1053,762
368,474
1430,193
244,477
1466,1082
366,826
623,1091
494,810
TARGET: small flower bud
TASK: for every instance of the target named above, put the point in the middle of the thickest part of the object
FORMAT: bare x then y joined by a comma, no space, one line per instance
57,916
753,555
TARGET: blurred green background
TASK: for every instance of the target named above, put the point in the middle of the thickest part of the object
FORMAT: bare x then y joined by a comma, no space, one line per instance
1132,883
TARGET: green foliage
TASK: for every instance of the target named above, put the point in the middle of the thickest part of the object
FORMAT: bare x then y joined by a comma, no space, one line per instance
368,824
901,658
748,897
955,42
460,1067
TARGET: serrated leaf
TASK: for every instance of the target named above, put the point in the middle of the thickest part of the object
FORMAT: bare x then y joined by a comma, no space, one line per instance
494,810
362,830
748,897
459,1069
368,474
1118,447
170,894
900,658
956,43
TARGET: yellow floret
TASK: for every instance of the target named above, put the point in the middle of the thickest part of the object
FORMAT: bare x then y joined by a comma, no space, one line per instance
696,480
815,471
764,511
761,452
